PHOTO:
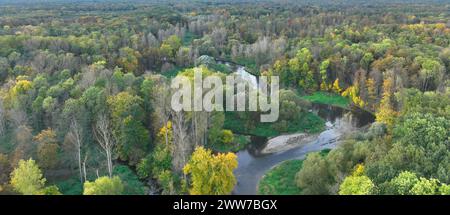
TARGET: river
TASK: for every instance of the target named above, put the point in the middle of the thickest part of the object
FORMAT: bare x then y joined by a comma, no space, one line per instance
252,164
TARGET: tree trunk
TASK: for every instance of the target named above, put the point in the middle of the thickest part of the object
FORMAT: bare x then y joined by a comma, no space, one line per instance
79,164
109,160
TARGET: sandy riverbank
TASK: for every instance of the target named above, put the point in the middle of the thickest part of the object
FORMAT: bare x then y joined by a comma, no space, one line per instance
288,141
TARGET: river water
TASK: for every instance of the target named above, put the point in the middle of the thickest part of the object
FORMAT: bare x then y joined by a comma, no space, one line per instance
252,164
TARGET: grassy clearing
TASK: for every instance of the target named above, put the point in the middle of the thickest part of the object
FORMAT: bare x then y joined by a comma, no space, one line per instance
327,98
309,122
281,179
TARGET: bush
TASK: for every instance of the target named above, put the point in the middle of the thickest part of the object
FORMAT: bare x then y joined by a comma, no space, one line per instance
227,136
71,186
104,186
132,185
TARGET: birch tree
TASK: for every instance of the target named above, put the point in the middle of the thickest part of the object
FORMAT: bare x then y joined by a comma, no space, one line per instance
75,136
2,118
182,147
103,135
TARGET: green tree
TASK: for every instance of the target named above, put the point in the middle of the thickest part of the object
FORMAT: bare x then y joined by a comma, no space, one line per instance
281,69
425,187
27,178
423,130
291,105
324,74
170,46
146,92
132,184
431,70
167,181
129,59
403,183
301,71
407,183
133,138
94,100
123,105
50,190
366,61
215,131
5,168
227,136
161,158
314,177
444,189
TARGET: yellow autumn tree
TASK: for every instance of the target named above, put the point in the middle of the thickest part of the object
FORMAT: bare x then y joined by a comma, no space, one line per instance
21,86
386,114
357,183
211,174
352,92
323,86
165,134
336,88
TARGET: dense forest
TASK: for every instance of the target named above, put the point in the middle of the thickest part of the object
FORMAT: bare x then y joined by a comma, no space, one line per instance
85,94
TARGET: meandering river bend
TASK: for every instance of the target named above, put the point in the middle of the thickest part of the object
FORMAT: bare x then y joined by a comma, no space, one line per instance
252,165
